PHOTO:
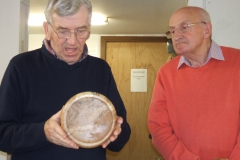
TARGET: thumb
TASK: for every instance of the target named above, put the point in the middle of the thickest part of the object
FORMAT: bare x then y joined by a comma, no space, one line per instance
57,116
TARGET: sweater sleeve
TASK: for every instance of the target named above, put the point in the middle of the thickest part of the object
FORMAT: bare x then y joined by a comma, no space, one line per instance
16,136
163,137
115,98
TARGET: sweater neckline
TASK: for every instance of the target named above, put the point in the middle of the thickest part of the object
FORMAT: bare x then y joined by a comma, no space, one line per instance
61,63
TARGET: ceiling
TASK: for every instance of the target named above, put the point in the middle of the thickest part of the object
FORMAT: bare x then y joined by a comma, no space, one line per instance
125,16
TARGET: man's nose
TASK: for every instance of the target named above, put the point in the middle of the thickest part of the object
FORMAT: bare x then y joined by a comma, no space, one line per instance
177,35
72,38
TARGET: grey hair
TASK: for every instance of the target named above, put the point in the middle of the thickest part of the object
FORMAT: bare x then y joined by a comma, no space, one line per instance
65,8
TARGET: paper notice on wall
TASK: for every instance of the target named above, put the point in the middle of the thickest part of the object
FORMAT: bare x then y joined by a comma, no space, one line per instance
138,80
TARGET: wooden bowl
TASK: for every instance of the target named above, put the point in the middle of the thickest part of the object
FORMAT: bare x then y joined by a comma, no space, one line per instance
89,119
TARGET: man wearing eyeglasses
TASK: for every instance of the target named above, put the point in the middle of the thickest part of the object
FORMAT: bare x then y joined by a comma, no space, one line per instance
195,106
38,83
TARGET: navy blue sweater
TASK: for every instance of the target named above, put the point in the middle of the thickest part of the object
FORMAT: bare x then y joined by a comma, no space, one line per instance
35,86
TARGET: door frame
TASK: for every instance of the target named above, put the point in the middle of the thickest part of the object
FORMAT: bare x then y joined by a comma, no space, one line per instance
106,39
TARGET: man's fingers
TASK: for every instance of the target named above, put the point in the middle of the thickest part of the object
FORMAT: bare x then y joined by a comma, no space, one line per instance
55,133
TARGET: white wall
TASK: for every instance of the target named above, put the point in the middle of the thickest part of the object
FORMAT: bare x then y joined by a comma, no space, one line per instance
94,43
12,40
3,156
225,20
35,41
199,3
9,39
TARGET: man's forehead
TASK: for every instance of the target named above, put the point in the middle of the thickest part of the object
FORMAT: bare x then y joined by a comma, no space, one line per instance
69,23
174,21
181,17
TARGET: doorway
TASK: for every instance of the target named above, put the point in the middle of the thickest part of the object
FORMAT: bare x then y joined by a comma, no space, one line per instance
124,54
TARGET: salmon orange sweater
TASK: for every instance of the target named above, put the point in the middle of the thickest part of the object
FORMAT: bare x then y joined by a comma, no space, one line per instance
194,112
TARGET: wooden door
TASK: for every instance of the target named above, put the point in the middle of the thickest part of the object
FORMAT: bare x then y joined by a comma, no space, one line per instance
124,54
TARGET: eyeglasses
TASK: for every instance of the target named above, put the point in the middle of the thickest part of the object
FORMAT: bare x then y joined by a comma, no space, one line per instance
65,33
183,27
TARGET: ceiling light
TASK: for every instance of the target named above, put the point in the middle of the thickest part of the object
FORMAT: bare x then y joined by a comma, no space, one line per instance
38,19
99,19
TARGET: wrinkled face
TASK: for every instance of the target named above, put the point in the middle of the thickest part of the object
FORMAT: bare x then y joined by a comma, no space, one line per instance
68,49
187,33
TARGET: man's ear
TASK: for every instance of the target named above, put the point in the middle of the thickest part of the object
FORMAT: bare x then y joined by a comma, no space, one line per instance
208,30
46,31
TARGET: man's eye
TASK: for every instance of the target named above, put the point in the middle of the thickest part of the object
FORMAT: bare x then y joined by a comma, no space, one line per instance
172,30
80,31
184,27
63,31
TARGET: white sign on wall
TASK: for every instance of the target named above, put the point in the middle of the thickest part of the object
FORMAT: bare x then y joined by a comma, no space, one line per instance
138,80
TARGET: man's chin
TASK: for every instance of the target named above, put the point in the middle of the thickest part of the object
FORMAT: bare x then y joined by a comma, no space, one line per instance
70,60
180,49
180,45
